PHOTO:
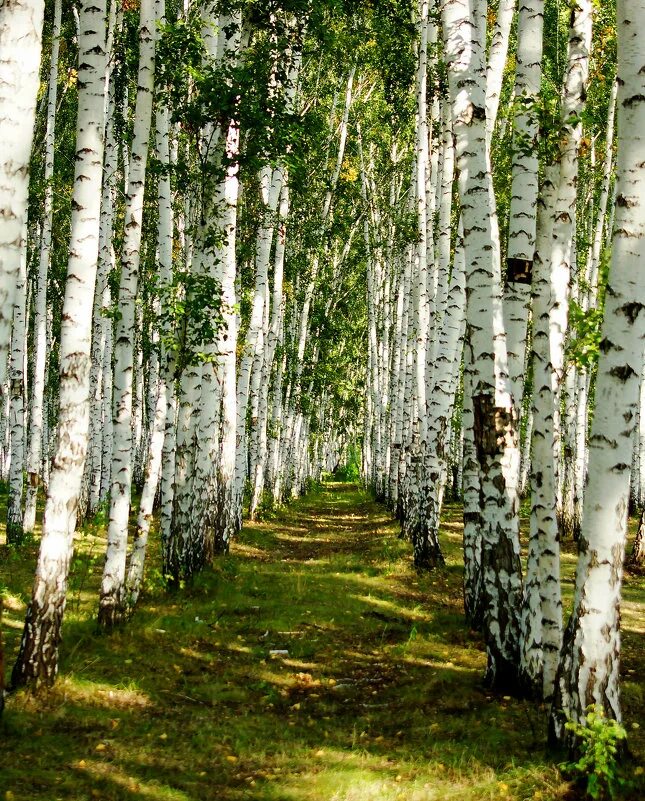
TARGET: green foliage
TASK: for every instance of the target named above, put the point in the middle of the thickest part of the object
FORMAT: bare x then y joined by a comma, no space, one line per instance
191,316
585,333
351,469
598,741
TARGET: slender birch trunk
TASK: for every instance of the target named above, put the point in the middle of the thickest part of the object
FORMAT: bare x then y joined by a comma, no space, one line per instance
442,397
227,517
274,335
494,423
563,244
34,456
524,192
167,384
589,664
270,187
541,610
37,661
21,25
17,406
497,62
112,596
98,462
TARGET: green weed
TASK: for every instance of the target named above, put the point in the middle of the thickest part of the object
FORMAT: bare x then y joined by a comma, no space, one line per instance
599,740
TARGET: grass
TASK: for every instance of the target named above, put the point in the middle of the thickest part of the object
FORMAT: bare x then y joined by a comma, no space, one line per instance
378,697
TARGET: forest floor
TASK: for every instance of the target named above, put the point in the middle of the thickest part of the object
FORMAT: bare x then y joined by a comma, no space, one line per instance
312,664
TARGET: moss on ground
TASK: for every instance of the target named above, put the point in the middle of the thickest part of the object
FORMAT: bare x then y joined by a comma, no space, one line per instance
378,696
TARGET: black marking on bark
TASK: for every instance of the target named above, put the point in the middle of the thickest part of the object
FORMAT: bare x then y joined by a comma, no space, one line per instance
493,427
630,101
624,202
623,373
519,271
632,310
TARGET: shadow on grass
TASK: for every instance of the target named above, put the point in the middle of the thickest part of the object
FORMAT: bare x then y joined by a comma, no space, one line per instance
374,692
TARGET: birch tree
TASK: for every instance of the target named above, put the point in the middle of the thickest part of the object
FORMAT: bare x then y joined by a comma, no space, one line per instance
34,455
21,25
37,661
589,664
112,603
494,424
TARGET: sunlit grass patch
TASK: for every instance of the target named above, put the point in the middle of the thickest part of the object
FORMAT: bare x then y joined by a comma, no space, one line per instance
312,664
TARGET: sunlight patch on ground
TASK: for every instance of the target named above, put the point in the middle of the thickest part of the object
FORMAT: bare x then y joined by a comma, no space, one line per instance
111,773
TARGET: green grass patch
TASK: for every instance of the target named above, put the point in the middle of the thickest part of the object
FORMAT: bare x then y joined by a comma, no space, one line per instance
377,698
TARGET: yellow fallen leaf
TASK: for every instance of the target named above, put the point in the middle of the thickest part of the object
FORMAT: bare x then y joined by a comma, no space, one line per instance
100,747
231,758
320,752
296,707
163,736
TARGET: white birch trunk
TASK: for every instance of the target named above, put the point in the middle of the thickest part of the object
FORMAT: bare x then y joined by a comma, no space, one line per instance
541,609
17,406
497,62
34,456
274,335
524,192
271,184
100,442
112,595
21,24
494,423
38,657
589,666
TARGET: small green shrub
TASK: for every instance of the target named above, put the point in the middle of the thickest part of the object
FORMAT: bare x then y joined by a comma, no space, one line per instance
349,472
598,740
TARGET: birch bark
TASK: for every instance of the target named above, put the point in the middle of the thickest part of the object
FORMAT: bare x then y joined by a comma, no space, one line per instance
37,661
17,406
34,456
589,665
21,25
112,595
494,423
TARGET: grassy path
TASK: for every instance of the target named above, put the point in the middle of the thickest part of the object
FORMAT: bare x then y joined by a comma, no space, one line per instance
311,664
